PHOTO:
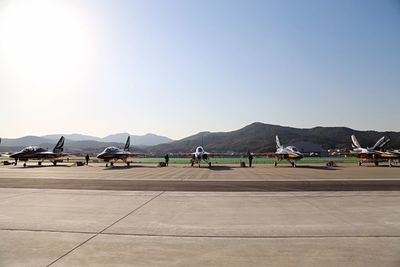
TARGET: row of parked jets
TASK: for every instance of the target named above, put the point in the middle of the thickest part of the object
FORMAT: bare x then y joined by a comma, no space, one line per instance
112,154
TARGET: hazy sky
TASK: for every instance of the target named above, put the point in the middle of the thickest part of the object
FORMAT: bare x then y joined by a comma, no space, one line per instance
178,67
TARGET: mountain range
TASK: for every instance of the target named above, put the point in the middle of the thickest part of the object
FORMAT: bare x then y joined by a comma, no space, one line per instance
138,140
256,137
260,137
79,143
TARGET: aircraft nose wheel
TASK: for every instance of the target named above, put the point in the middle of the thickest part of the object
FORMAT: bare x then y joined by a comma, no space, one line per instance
24,165
128,163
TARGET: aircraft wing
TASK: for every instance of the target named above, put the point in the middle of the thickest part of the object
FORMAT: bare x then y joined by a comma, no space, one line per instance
124,153
51,154
210,154
45,153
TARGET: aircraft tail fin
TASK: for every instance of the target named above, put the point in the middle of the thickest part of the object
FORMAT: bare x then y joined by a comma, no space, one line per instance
278,143
356,144
381,143
127,144
60,145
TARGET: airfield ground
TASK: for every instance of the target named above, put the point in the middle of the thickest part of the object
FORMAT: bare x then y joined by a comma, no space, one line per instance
182,216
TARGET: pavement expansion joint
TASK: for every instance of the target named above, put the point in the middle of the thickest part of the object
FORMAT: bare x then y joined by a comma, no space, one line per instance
112,224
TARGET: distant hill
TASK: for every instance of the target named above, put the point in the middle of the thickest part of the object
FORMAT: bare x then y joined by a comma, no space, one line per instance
256,137
137,140
78,143
74,147
28,140
260,137
141,140
73,137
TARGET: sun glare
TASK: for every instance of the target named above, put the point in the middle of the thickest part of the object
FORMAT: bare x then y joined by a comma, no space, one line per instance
44,41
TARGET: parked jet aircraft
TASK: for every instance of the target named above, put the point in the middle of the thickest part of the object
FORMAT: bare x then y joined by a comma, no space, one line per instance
200,155
35,152
111,154
290,153
373,154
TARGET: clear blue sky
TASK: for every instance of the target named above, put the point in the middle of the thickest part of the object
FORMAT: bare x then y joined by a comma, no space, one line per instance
178,67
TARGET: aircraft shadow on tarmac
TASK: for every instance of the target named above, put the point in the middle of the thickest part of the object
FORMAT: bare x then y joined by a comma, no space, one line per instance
212,168
42,166
379,166
324,168
220,168
116,167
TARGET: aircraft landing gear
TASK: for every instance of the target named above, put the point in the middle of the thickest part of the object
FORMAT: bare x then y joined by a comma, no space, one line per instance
55,163
293,164
209,164
128,164
24,164
359,163
275,164
106,165
112,164
39,163
376,163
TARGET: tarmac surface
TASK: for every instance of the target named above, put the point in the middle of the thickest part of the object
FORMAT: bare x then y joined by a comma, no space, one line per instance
179,216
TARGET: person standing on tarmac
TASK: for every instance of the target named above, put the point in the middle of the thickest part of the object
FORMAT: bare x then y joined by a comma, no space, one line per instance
250,157
166,159
87,159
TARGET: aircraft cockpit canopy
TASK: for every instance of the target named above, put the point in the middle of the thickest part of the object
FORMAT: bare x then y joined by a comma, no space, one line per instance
111,149
33,149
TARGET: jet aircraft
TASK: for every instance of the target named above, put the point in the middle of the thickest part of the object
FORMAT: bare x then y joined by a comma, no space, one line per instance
290,153
111,154
373,154
40,154
200,155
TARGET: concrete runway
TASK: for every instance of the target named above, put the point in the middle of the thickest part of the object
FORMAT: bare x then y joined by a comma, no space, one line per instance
178,216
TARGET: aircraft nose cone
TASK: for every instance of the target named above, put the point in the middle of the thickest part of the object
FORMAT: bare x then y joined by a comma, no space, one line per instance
14,155
100,156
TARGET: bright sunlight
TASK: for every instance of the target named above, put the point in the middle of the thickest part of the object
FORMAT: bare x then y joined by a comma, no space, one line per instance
44,42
